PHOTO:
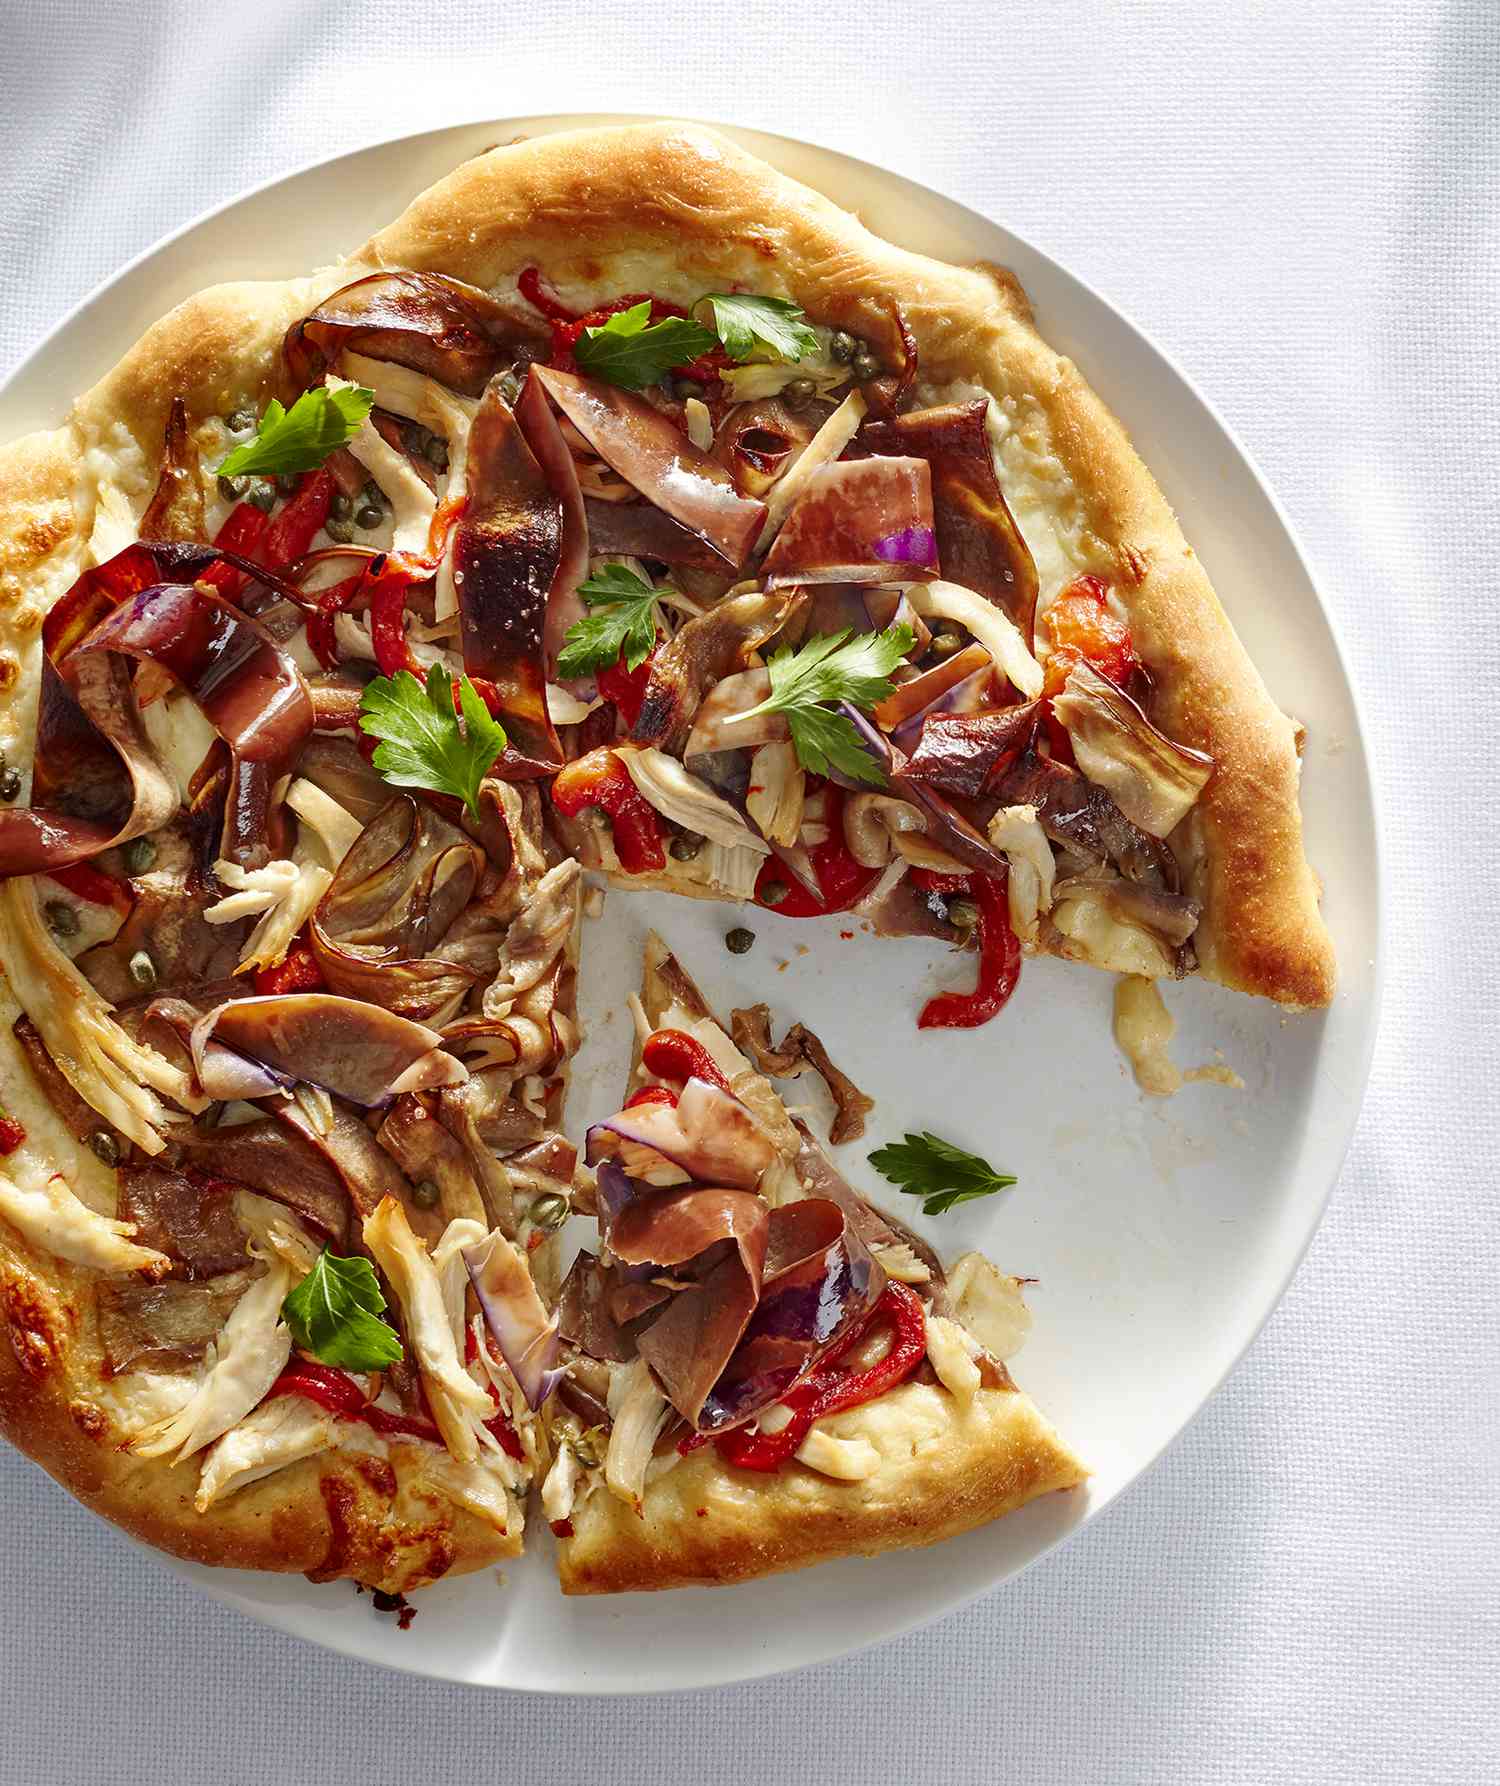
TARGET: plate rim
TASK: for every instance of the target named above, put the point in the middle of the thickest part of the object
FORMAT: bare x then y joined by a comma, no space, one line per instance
218,1584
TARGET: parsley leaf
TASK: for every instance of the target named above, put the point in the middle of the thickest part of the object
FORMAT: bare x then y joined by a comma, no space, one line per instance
334,1313
302,437
833,667
776,328
943,1175
633,351
623,623
423,745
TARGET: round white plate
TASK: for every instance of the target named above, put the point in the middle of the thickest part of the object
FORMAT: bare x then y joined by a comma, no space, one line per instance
1161,1234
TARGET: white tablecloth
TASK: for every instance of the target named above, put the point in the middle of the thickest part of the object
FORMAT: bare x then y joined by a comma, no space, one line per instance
1303,205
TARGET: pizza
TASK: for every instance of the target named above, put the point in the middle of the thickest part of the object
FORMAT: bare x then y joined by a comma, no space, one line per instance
624,513
765,1370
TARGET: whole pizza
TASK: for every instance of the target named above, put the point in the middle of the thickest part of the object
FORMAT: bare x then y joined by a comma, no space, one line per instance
625,513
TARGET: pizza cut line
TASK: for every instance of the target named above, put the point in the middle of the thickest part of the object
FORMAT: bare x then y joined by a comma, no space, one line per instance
627,508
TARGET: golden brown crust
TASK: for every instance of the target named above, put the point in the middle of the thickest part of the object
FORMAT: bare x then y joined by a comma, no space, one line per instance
342,1514
944,1469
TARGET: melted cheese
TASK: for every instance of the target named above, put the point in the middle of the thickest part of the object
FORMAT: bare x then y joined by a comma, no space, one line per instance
1144,1028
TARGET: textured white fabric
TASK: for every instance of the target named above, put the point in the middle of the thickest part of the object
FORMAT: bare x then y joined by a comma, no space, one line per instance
1303,204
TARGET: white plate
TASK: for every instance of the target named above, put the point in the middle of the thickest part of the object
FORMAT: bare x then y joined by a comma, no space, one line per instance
1161,1234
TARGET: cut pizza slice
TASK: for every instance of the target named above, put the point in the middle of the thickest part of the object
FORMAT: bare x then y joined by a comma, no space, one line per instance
764,1370
273,1260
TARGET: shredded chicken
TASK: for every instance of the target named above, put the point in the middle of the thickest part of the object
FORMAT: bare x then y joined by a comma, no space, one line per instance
240,1366
43,1207
951,1353
1015,830
276,1434
639,1411
460,1406
847,1460
114,1075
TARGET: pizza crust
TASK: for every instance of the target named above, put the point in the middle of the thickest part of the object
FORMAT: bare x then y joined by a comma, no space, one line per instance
944,1469
346,1513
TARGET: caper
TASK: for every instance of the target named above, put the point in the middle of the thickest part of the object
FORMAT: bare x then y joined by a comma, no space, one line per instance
689,387
10,784
584,1449
963,914
800,389
436,454
287,482
143,970
740,941
373,494
549,1211
424,1193
945,644
340,532
232,489
842,346
140,853
865,364
369,516
262,494
685,847
61,917
510,387
103,1144
774,892
340,507
238,420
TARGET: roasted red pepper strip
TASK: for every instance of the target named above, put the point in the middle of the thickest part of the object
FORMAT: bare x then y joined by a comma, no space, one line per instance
337,1391
567,325
626,688
299,972
12,1133
92,884
675,1055
295,524
241,532
652,1094
828,1391
601,779
388,584
999,964
843,880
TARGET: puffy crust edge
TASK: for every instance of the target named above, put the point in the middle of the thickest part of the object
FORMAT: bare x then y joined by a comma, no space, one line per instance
338,1515
944,1469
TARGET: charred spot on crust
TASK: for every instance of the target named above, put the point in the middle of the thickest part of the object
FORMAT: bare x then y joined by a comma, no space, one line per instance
31,1319
90,1420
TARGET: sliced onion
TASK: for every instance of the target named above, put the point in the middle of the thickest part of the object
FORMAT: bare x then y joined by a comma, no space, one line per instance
513,1312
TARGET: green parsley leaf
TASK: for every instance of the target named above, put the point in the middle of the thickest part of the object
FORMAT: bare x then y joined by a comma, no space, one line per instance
833,667
943,1175
773,328
423,745
633,351
334,1313
623,623
302,437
